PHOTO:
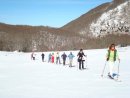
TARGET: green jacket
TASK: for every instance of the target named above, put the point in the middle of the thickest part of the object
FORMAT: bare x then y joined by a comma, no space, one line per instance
112,55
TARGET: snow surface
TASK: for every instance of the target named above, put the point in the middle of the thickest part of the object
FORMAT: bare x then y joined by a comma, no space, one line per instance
21,77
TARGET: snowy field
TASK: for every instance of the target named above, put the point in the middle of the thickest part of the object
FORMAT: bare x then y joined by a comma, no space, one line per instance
21,77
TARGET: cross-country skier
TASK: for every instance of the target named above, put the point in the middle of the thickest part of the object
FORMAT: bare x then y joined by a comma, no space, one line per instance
80,59
49,58
52,58
43,56
33,56
57,58
71,56
64,56
112,56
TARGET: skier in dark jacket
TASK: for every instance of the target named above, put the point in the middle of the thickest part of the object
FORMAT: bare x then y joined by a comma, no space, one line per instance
43,56
80,59
64,58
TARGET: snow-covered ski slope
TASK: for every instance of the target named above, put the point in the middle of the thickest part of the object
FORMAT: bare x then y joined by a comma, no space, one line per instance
20,77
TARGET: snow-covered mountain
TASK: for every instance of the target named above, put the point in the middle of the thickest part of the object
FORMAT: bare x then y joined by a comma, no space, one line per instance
108,18
114,21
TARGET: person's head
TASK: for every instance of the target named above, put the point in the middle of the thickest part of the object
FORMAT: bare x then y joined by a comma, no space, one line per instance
70,52
112,47
81,50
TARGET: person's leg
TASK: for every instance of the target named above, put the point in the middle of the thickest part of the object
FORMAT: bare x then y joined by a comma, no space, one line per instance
63,62
57,60
48,60
82,64
115,71
70,62
43,59
79,64
33,58
111,65
52,59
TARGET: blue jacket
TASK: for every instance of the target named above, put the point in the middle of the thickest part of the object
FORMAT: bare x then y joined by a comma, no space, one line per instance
71,56
49,56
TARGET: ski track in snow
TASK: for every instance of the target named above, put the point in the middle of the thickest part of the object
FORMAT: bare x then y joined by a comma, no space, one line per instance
20,77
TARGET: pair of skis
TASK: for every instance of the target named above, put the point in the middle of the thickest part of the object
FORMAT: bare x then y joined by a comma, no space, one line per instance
115,79
109,76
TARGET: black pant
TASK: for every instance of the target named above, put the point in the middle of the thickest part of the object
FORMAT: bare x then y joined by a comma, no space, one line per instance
64,61
81,64
43,59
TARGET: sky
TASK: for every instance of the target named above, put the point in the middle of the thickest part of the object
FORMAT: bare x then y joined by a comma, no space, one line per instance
53,13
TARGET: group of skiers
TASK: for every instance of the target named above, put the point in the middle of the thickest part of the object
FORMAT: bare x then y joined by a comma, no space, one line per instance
111,57
80,59
51,58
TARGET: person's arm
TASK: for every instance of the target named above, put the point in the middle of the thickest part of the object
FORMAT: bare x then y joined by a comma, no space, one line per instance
84,55
107,55
73,56
66,56
69,55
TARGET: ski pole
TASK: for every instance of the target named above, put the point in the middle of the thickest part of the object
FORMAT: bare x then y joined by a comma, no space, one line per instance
103,69
86,63
118,68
